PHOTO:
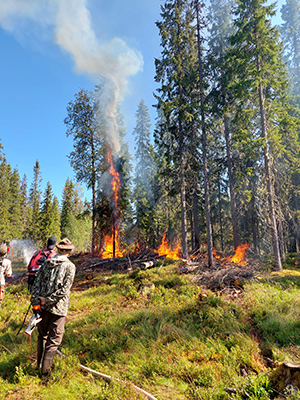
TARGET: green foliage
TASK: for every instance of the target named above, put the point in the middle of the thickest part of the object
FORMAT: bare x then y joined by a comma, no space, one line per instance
170,341
35,202
49,217
257,388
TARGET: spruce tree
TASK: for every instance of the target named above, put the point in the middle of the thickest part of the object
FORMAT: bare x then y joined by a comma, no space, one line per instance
76,222
143,180
55,221
15,204
200,25
5,176
35,201
48,216
220,29
176,72
261,87
290,33
25,208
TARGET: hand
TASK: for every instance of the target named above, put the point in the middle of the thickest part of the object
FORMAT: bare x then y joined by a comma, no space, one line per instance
42,300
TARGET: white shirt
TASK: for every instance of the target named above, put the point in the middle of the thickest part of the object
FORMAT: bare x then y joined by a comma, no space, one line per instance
6,270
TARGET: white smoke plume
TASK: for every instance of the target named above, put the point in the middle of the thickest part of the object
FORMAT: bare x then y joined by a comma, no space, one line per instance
25,247
114,61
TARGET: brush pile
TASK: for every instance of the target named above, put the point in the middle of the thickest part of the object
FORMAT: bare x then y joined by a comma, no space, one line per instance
223,275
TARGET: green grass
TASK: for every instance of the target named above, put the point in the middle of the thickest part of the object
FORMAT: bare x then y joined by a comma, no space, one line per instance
168,342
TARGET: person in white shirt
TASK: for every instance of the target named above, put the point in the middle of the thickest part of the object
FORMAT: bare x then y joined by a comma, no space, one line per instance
5,269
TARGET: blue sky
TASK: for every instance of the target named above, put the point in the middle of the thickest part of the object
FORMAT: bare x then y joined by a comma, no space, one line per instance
40,72
38,77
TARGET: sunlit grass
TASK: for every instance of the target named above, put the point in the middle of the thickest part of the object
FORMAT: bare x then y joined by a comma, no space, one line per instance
168,341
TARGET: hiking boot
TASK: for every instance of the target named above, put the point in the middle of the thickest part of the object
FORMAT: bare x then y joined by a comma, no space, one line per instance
47,362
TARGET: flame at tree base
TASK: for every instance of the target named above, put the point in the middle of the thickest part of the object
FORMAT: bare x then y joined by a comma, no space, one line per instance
239,255
109,250
165,250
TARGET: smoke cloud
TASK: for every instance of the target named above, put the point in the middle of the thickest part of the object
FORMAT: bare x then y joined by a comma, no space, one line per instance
114,61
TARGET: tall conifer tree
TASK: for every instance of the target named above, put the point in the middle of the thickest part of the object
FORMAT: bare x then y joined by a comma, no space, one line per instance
290,32
34,201
176,73
15,203
261,87
144,169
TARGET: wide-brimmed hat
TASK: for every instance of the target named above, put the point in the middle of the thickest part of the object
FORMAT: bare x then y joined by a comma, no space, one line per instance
3,250
65,244
51,242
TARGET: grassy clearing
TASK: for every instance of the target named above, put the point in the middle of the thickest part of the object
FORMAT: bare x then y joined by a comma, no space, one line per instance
165,339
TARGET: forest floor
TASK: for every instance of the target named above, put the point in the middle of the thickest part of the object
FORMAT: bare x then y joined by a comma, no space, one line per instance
178,329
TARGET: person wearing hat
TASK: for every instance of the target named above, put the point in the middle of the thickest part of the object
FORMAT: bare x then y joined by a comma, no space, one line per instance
5,269
51,290
38,258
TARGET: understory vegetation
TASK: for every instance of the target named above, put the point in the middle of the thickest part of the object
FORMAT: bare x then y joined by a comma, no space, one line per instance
154,329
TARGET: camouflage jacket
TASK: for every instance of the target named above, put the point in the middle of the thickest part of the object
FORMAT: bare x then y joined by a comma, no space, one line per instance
53,281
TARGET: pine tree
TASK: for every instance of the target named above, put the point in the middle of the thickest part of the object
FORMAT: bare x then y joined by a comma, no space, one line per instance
83,124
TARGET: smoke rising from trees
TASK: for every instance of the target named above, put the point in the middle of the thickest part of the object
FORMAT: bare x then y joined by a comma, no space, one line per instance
112,61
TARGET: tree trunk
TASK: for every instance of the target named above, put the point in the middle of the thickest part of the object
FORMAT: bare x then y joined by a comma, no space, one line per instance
196,221
94,232
192,229
270,190
183,195
281,240
234,218
221,218
254,225
204,147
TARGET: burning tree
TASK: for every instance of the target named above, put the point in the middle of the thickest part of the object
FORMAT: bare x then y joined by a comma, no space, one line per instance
89,159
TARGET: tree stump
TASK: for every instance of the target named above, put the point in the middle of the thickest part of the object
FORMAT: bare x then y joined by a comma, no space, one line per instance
286,374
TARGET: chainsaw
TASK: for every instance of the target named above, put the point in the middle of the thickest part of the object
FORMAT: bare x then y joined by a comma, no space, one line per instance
34,319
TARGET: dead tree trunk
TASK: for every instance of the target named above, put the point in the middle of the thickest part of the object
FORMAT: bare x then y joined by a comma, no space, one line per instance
234,218
270,190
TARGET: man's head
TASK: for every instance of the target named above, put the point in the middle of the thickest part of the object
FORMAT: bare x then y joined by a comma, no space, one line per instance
65,246
51,242
3,250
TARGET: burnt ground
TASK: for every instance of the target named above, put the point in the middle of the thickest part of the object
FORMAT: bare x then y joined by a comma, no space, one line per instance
223,276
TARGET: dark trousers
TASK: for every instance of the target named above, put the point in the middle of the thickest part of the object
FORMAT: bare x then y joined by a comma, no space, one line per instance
51,330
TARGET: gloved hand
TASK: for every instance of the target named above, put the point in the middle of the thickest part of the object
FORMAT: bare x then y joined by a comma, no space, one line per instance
37,310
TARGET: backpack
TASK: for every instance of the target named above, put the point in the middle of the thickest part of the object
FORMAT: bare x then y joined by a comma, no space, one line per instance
38,258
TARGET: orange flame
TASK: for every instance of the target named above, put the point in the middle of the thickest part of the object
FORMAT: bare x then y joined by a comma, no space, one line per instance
115,183
239,255
165,250
215,254
113,243
108,252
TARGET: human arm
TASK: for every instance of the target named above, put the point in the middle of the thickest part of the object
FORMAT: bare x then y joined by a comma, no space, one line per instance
36,288
62,289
